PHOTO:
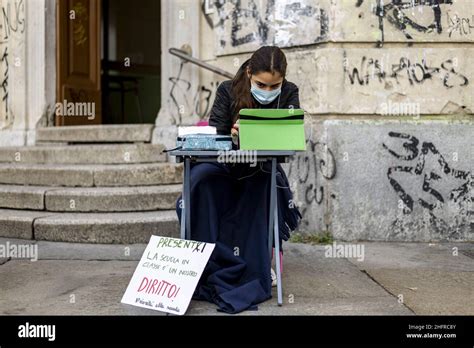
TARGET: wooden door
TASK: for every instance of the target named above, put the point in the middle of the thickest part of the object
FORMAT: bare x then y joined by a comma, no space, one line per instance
78,89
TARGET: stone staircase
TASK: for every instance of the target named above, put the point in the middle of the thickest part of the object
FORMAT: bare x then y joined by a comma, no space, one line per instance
89,184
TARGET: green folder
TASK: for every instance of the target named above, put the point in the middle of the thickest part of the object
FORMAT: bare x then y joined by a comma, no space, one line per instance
272,129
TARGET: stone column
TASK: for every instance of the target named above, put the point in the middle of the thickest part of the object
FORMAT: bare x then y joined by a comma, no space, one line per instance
180,29
27,67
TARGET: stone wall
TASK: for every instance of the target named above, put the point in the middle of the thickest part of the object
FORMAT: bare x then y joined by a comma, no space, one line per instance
12,37
388,91
27,68
387,179
387,87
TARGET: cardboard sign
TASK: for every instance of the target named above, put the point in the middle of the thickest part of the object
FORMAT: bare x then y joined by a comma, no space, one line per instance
167,275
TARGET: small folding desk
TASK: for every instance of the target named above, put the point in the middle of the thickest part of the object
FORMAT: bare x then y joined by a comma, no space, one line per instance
273,156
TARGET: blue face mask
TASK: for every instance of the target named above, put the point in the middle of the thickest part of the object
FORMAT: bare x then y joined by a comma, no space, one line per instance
264,97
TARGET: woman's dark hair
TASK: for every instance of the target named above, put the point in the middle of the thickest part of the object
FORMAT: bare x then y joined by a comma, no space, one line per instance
266,59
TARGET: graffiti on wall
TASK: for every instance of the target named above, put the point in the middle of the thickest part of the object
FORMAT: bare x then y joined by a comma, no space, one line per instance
422,163
402,15
189,100
4,77
248,24
372,70
458,25
206,13
12,21
309,171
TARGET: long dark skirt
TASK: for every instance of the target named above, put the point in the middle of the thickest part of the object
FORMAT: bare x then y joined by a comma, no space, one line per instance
230,207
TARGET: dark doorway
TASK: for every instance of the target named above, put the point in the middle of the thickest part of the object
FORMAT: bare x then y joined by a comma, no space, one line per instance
109,59
131,61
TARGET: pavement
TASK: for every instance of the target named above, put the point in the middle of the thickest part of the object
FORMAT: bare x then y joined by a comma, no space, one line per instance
390,279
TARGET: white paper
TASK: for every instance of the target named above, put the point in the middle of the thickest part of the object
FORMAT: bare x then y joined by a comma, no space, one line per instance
196,130
167,275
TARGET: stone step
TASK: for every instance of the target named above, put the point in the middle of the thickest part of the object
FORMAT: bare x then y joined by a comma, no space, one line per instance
107,228
113,199
22,197
84,154
90,199
91,175
102,228
118,133
19,223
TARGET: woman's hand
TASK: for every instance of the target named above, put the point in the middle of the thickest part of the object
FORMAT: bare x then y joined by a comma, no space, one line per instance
235,129
235,133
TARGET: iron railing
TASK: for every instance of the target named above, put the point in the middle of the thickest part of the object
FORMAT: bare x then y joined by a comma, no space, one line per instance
185,56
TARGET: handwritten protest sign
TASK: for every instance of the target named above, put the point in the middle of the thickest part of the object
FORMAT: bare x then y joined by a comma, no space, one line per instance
167,275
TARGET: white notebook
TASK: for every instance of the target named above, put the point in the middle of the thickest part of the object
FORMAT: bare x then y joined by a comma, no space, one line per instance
196,130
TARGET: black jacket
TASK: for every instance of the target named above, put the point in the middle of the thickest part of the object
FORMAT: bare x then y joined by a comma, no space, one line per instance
222,113
221,118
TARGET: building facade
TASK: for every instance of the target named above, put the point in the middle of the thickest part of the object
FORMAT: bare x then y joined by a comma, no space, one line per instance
387,87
